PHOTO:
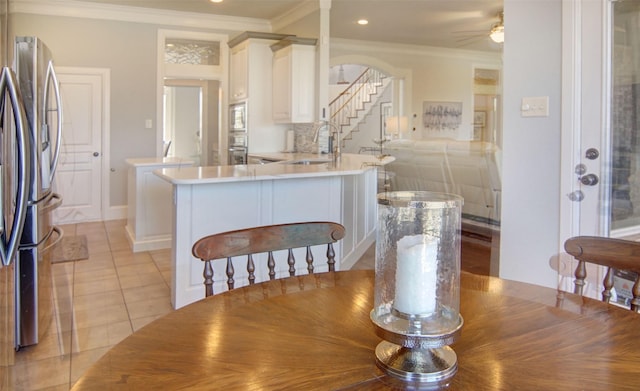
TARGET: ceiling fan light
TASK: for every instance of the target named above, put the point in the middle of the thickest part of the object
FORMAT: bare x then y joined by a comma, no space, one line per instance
497,34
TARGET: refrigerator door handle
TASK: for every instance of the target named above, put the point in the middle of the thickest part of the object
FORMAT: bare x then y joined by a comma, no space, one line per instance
54,201
51,76
59,234
9,246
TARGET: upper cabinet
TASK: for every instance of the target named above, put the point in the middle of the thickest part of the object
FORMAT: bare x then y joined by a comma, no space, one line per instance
250,65
239,75
294,79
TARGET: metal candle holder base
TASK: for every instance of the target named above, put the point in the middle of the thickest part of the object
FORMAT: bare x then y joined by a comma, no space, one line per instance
429,365
425,359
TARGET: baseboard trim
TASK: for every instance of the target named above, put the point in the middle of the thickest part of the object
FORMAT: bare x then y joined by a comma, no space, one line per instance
116,213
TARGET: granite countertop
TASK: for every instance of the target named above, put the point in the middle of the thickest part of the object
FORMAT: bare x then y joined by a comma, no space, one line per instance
283,168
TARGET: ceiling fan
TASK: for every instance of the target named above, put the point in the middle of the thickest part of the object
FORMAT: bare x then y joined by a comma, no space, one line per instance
497,29
495,33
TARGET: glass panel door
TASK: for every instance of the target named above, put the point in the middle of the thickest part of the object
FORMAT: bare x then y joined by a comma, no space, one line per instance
625,120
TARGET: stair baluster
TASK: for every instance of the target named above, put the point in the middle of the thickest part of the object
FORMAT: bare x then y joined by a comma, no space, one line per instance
349,108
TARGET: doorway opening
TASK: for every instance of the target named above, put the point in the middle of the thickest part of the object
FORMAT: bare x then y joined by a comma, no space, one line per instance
191,111
192,73
486,105
487,128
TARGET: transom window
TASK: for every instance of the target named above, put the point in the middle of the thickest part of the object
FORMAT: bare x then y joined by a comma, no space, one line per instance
191,52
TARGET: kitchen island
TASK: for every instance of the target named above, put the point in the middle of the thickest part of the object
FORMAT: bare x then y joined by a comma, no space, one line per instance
293,188
149,199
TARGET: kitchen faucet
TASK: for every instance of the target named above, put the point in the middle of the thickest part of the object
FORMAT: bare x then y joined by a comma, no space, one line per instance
334,138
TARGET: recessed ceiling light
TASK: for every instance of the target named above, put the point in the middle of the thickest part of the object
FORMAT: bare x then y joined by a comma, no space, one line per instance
363,22
216,1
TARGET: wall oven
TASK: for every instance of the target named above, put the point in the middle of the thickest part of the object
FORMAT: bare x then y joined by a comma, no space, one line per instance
238,140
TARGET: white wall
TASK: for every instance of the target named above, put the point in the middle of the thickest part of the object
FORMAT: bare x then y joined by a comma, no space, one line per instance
128,50
531,146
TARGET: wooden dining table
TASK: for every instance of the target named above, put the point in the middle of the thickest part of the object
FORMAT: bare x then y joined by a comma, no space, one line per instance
314,332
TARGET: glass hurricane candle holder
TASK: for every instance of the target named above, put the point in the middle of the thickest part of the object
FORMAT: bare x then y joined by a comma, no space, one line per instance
417,285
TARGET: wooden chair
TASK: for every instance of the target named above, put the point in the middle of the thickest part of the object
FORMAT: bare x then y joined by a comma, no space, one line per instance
616,254
266,239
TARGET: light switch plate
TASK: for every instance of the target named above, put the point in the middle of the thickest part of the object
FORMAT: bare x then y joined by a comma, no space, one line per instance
535,106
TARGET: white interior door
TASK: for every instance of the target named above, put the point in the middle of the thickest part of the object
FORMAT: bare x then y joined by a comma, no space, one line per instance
79,175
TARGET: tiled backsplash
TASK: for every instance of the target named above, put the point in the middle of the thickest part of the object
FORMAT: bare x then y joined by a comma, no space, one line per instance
304,134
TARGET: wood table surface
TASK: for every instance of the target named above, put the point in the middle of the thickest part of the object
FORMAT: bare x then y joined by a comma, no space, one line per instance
313,332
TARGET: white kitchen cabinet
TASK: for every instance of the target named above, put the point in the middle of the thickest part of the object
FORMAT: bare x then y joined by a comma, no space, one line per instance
294,78
239,74
250,65
250,76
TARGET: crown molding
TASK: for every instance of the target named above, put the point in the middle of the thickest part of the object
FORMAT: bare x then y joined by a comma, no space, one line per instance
80,9
357,46
294,14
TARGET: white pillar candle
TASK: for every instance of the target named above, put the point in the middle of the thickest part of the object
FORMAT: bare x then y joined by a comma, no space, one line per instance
416,275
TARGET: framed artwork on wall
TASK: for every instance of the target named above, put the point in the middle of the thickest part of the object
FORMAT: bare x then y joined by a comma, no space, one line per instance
441,115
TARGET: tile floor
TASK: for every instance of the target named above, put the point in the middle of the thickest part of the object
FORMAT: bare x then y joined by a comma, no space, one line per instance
98,302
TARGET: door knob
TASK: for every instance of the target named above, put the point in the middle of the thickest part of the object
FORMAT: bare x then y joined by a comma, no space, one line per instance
576,196
96,154
580,169
589,180
592,154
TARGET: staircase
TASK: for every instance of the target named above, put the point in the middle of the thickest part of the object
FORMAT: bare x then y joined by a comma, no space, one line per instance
353,104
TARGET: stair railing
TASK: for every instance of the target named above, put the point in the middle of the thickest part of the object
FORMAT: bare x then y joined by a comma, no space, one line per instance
346,105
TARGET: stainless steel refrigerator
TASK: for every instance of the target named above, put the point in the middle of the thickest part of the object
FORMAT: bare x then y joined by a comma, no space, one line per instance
41,98
30,136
